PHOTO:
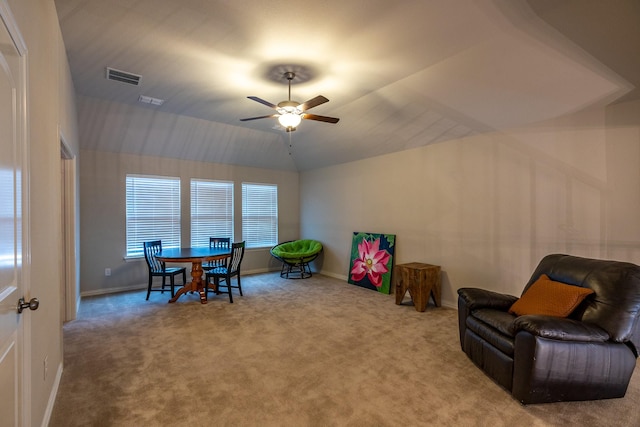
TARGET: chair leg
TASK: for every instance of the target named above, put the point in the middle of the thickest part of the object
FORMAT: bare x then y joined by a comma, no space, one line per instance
239,286
164,281
149,287
173,287
306,270
228,279
208,284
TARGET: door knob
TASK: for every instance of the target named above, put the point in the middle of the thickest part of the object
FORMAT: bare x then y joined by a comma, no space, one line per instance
33,304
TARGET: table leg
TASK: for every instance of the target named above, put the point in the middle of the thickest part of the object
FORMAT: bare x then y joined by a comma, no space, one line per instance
401,289
195,285
420,295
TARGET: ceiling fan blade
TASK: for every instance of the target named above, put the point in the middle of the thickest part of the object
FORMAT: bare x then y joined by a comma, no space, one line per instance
320,118
256,118
314,102
262,101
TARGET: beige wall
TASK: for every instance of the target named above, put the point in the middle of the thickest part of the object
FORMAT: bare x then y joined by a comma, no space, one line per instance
103,219
50,105
487,208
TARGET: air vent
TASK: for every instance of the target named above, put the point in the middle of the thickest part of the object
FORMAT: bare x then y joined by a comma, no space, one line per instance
123,76
149,100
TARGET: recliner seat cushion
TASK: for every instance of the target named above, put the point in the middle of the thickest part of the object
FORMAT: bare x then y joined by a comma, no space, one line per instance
500,320
560,329
500,341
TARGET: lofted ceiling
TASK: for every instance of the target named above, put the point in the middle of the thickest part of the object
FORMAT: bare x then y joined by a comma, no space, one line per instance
399,74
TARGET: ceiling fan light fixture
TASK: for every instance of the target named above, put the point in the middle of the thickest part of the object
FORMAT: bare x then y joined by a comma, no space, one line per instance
289,119
290,113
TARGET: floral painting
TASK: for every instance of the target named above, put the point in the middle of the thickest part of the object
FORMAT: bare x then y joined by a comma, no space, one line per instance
372,260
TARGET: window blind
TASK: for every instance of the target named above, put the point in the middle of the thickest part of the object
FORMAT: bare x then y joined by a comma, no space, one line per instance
153,212
259,215
211,211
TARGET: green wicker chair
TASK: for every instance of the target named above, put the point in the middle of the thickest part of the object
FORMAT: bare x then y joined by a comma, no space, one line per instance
295,256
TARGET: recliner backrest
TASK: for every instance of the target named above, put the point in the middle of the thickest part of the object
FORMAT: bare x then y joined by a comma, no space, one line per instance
615,304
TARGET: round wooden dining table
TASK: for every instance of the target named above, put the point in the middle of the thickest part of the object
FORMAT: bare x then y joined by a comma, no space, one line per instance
196,256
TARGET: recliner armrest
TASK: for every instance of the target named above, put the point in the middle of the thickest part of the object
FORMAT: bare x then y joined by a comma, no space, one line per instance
560,328
482,298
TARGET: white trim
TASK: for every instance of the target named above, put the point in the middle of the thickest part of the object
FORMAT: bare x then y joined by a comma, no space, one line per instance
449,305
52,397
12,27
106,291
335,276
69,199
139,286
258,271
65,150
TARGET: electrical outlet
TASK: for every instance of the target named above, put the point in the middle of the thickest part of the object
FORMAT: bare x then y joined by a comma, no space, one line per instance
45,364
107,272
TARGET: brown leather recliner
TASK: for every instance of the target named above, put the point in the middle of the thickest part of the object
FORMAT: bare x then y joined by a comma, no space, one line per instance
589,355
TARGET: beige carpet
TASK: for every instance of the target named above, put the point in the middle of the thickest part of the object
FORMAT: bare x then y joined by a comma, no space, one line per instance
315,352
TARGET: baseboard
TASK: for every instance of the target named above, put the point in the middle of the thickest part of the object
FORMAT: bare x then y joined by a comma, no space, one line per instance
447,304
113,290
140,286
52,397
335,276
258,271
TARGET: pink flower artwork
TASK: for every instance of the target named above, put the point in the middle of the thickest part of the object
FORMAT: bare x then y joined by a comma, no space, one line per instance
371,262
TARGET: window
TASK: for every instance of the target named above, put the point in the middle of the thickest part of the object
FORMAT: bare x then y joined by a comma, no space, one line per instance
211,211
153,212
260,215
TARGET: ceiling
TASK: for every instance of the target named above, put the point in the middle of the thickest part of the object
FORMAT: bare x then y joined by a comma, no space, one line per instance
399,74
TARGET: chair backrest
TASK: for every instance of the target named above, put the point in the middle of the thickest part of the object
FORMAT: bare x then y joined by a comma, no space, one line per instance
151,249
615,305
297,250
237,253
219,242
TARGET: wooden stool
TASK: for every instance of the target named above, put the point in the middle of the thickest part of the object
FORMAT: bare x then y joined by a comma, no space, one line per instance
422,281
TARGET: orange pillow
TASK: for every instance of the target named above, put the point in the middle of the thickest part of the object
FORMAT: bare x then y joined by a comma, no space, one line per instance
549,298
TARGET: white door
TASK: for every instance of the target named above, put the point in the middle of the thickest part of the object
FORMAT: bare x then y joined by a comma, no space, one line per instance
12,369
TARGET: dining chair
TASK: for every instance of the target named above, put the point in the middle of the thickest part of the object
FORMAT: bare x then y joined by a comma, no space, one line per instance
225,273
157,268
217,243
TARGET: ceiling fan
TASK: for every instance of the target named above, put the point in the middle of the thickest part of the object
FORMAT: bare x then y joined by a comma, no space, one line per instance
290,113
